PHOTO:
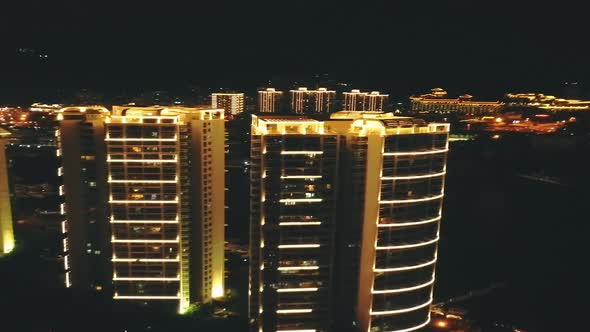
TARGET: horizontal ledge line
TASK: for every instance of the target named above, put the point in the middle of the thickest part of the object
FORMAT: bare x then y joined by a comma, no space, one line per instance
311,223
296,290
414,245
301,177
410,223
145,260
144,222
302,200
431,198
399,311
142,181
294,311
295,268
298,246
142,139
142,161
142,241
146,279
409,177
302,152
142,201
406,289
309,330
404,268
417,153
123,297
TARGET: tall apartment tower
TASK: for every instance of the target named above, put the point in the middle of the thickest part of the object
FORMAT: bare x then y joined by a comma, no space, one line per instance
356,100
320,101
373,269
231,103
80,138
293,187
269,101
166,199
389,222
6,228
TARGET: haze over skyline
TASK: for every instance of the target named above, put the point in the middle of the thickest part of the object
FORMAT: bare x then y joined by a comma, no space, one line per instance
484,49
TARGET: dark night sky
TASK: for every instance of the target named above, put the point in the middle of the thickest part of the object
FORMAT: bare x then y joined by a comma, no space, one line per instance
480,47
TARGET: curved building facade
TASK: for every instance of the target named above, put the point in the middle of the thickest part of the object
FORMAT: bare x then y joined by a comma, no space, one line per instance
389,224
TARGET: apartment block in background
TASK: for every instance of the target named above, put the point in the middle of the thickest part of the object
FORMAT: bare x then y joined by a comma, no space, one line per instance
270,101
231,103
356,100
320,101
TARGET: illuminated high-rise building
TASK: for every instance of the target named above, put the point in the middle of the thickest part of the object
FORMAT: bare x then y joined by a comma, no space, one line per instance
231,103
293,183
166,198
269,101
381,177
356,100
389,219
320,101
86,248
6,228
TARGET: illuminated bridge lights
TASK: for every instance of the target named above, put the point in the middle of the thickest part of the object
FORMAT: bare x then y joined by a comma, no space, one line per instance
402,290
410,223
415,200
414,245
417,153
405,268
401,311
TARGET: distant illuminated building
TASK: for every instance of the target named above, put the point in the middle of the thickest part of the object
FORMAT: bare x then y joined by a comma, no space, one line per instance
6,228
86,249
320,101
269,100
546,102
232,103
389,216
356,100
381,177
293,182
435,102
166,196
